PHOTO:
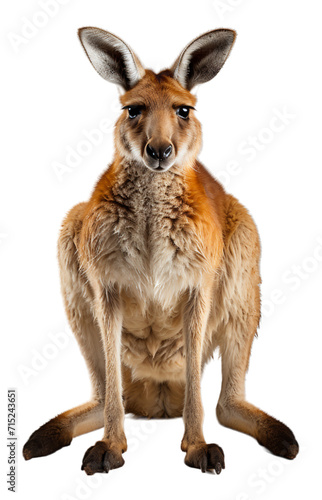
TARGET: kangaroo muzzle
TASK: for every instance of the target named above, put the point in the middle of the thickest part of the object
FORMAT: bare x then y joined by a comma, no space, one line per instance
159,156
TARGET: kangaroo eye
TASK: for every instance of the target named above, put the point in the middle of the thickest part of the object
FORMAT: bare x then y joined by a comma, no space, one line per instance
134,111
183,112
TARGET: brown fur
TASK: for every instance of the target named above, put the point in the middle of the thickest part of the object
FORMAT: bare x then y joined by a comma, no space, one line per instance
157,271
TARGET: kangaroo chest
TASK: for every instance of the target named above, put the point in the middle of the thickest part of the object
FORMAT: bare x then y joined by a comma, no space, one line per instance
152,243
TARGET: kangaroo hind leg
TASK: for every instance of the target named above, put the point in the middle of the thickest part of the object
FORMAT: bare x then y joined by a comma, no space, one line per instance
60,431
239,302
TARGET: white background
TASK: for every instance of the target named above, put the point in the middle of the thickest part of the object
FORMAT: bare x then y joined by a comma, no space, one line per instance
50,96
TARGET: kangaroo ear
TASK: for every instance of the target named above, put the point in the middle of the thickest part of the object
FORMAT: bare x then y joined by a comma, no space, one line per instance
111,57
201,60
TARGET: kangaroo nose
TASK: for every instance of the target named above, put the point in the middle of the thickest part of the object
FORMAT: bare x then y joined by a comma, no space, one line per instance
162,154
165,152
151,152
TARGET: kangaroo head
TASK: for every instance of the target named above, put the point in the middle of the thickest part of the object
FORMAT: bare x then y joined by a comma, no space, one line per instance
158,126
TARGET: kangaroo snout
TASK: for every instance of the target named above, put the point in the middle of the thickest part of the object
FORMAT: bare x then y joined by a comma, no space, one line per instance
158,156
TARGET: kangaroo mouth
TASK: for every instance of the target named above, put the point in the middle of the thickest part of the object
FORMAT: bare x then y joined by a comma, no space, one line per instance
158,165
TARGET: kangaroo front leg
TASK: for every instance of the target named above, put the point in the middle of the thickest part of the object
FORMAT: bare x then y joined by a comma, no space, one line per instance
107,453
198,454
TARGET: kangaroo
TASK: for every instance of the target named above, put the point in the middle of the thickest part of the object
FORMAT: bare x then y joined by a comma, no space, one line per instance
158,269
